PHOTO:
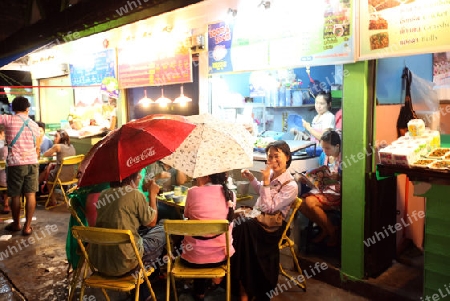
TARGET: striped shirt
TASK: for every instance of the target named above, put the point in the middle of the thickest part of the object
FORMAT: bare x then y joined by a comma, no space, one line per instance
23,151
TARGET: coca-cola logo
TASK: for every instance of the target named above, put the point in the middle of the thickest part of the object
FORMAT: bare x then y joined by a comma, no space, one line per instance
146,153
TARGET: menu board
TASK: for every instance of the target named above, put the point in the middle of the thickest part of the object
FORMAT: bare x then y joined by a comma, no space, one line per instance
284,36
403,27
146,65
91,68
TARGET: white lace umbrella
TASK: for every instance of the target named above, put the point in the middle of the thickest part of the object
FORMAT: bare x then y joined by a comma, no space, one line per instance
213,146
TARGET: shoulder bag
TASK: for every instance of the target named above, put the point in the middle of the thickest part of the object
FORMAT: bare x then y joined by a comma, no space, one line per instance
271,222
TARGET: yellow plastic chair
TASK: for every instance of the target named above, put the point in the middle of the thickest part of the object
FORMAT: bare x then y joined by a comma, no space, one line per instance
103,236
67,161
176,269
285,241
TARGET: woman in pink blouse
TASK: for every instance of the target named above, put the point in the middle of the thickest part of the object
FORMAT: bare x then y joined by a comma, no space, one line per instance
210,199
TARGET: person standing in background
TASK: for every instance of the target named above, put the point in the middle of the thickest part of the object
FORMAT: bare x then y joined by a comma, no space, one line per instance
3,153
23,140
46,143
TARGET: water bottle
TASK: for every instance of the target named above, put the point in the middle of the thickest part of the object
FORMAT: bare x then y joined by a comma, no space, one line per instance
282,97
288,97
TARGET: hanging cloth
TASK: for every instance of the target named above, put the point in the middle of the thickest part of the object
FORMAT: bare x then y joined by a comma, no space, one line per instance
406,112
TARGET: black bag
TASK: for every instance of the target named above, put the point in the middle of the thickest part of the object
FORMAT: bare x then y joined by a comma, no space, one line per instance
406,112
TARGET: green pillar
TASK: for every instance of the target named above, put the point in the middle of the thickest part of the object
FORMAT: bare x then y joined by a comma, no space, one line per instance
355,133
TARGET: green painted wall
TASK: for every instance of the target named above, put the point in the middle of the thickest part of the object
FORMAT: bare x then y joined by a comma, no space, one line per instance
437,241
353,165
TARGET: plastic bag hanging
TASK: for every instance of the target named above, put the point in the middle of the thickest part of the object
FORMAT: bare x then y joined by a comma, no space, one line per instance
406,112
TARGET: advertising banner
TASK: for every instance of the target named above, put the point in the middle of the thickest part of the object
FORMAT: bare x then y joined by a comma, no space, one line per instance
91,68
141,65
219,47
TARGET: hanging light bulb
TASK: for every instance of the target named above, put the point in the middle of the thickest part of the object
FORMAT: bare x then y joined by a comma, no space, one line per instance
182,99
163,101
145,101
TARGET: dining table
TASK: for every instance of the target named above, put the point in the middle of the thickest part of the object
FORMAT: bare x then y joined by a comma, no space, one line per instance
170,203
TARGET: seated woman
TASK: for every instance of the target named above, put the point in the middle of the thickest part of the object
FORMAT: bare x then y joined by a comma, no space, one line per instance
62,148
315,202
255,265
209,199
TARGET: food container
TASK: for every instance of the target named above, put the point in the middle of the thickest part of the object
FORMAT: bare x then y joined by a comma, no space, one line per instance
242,188
405,156
385,154
416,127
438,153
440,164
423,163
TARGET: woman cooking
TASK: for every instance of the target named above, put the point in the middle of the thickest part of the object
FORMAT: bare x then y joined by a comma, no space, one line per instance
324,120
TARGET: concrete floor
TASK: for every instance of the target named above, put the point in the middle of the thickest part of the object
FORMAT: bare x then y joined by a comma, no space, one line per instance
36,269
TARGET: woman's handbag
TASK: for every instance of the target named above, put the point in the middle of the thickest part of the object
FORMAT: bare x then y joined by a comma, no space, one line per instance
271,222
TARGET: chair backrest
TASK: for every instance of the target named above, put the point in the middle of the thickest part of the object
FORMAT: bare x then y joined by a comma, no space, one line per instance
73,211
103,236
295,205
70,160
197,228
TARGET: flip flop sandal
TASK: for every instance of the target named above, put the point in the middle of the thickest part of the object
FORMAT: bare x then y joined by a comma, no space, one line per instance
10,228
24,233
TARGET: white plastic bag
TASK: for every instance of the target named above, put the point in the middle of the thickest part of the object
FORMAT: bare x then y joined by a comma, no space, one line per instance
425,101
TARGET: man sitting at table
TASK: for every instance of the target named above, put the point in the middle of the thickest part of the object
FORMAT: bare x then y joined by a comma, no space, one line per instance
123,206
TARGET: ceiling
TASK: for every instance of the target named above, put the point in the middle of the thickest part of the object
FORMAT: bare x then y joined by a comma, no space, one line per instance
26,25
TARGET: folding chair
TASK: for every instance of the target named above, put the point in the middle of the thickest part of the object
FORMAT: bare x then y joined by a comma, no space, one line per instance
76,272
176,269
285,241
73,161
103,236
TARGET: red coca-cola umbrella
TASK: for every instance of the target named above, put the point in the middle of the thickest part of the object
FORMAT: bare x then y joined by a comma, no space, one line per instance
133,146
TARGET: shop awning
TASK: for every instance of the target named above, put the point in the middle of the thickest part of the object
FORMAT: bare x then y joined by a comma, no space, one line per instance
86,18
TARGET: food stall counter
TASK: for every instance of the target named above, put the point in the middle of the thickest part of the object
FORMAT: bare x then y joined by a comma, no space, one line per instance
434,184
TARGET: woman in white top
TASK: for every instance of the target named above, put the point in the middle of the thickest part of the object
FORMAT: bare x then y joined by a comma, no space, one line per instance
324,120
